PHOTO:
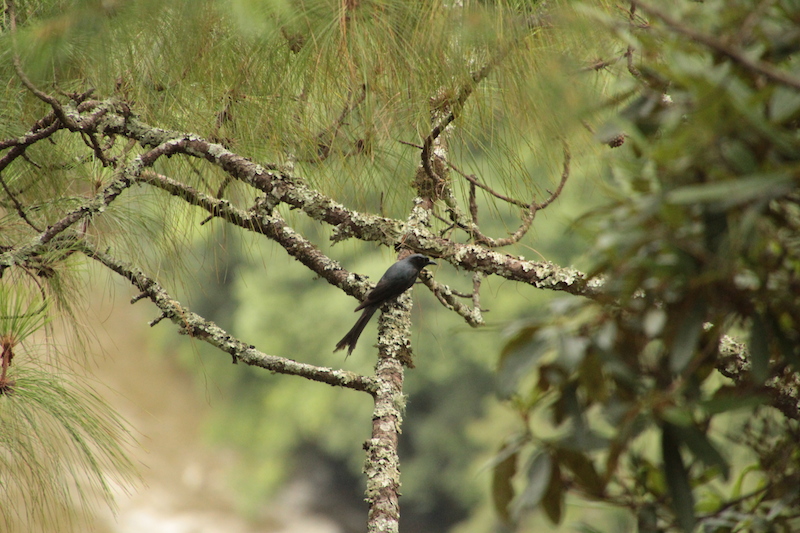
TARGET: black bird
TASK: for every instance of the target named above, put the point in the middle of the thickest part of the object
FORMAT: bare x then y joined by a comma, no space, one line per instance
394,282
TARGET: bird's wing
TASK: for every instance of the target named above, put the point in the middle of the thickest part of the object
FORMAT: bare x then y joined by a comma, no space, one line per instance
394,282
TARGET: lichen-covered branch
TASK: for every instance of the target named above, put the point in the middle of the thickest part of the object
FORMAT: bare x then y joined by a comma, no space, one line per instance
477,258
782,387
450,299
196,326
382,464
277,185
261,219
113,118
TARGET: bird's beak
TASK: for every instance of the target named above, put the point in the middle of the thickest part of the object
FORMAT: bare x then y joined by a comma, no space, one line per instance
430,262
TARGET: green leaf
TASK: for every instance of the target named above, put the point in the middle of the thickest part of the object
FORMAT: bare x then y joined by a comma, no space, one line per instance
572,350
677,478
539,473
678,415
580,436
701,447
553,500
733,192
759,349
687,336
739,155
592,380
518,357
583,469
784,104
729,398
519,340
502,486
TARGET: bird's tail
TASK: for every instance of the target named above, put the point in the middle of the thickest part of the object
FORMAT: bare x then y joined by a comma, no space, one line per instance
352,336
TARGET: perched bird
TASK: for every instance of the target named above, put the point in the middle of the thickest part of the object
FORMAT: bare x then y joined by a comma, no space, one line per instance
394,282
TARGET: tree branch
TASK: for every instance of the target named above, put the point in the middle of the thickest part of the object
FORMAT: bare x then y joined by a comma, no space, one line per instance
450,299
527,218
196,326
278,186
113,118
263,220
382,466
782,387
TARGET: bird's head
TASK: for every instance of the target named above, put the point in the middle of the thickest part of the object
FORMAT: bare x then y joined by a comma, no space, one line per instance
420,261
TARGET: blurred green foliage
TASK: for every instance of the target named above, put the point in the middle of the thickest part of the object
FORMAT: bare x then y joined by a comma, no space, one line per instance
634,401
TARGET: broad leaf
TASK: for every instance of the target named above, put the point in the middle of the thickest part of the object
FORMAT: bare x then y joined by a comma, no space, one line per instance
677,478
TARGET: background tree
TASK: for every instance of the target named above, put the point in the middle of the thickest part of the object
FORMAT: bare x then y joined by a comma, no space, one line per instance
642,398
444,129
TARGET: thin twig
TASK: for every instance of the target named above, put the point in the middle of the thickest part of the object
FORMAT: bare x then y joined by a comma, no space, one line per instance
326,138
532,208
564,176
749,24
42,291
417,146
473,203
18,205
94,144
600,64
477,277
269,224
736,501
26,81
474,181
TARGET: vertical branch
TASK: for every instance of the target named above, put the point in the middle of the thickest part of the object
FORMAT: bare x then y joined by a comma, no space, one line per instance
382,466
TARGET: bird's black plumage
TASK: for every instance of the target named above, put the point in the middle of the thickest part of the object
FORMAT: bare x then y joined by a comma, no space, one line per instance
394,282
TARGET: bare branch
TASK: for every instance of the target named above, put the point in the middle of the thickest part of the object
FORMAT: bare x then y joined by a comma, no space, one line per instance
476,292
43,128
326,138
278,186
473,204
382,467
528,217
475,182
600,64
282,187
634,71
477,258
